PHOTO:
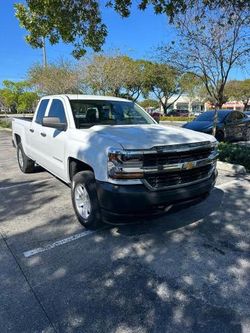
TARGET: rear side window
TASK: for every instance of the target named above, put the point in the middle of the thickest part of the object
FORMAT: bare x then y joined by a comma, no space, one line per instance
234,116
57,110
41,111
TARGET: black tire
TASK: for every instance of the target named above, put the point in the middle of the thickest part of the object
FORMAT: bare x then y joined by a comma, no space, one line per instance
219,135
26,165
85,180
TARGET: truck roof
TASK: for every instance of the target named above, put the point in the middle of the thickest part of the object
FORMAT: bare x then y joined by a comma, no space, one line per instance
89,97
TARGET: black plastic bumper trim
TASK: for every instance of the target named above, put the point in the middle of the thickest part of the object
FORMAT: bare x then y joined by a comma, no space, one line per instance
133,200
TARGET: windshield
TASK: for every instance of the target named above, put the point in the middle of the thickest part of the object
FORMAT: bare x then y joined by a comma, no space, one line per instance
209,116
88,113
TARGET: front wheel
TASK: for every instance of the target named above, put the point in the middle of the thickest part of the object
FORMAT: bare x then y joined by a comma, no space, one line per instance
85,200
219,135
26,165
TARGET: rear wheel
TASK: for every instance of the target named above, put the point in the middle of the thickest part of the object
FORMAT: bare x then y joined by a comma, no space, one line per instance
85,200
26,165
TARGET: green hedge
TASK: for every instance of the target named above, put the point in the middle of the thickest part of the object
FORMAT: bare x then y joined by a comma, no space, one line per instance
169,118
233,153
5,124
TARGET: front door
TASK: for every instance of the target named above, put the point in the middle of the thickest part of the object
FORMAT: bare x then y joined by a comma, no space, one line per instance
55,140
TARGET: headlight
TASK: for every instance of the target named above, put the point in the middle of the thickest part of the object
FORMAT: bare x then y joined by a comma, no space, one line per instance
124,164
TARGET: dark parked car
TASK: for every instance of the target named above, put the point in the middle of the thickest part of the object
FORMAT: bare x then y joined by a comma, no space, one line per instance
231,125
178,113
156,114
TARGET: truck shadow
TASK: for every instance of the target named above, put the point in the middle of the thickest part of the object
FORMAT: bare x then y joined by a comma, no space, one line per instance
171,220
184,272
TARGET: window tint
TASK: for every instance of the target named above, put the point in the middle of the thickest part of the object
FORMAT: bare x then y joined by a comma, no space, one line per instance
41,111
234,116
209,116
57,110
239,115
89,113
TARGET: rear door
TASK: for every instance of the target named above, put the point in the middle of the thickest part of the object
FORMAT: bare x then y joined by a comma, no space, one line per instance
235,126
54,139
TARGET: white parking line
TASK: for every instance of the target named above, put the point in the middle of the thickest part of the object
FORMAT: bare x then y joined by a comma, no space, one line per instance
33,252
72,238
25,183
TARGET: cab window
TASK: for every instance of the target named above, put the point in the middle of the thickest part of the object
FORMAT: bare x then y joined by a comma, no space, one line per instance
235,116
41,111
57,110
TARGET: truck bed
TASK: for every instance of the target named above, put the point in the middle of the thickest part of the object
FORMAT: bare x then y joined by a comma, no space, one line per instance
24,118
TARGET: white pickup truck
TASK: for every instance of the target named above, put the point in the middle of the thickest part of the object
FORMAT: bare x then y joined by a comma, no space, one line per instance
119,162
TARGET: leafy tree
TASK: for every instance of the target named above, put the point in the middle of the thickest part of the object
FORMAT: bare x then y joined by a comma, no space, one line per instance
103,75
16,96
210,46
56,78
194,88
134,84
146,103
239,90
8,99
80,22
27,101
163,82
116,75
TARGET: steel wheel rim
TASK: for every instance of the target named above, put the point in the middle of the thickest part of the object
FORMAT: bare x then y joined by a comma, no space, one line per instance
82,201
20,158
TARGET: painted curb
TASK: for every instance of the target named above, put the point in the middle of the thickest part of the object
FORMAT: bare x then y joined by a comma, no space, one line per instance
235,169
5,129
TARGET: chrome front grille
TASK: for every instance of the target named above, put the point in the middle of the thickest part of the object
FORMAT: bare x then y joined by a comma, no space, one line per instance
173,179
158,159
175,168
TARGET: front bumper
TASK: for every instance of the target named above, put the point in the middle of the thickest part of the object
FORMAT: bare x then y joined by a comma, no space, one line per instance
137,200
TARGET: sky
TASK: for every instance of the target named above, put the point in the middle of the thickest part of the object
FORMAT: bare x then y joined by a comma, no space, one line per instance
136,36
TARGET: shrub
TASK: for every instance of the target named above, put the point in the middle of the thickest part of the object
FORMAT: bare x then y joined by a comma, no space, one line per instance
172,118
233,153
5,124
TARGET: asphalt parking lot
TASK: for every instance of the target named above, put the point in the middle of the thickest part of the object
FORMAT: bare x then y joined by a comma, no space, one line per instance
187,271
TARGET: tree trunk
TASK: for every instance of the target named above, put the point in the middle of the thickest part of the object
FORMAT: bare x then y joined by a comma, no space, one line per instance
218,106
215,121
164,108
245,105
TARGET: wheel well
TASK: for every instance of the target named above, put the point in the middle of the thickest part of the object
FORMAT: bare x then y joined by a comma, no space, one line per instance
18,139
76,166
219,132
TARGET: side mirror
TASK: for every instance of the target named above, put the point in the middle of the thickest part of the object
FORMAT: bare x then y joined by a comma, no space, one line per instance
54,122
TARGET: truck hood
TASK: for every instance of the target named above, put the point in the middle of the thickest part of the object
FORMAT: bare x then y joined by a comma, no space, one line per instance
148,136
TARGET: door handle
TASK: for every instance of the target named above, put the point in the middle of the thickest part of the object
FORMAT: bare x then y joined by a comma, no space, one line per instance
43,134
31,130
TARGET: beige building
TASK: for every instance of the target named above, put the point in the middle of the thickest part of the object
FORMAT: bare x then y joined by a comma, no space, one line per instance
185,102
193,105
